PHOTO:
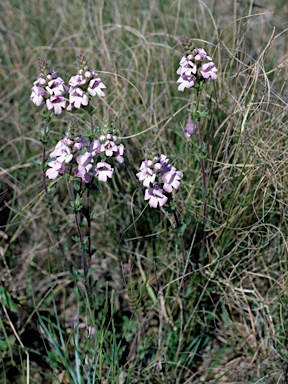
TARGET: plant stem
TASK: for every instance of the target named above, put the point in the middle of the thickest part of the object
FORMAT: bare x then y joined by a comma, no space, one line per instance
182,246
49,203
204,180
85,263
89,231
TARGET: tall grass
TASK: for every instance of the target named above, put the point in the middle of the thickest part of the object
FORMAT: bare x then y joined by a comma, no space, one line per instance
234,326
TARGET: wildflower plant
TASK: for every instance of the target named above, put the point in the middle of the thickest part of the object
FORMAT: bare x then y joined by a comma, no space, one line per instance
196,70
84,160
160,178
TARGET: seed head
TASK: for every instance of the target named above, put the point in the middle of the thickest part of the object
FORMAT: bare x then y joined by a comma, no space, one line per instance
82,63
187,44
73,129
43,68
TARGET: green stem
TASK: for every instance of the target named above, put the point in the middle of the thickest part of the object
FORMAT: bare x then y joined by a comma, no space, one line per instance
85,263
203,171
58,244
182,245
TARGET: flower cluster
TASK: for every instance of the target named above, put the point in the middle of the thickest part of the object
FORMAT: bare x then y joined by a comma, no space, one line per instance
162,176
81,86
86,158
195,67
51,88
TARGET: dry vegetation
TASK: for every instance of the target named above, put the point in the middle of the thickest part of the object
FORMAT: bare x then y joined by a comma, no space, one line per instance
234,327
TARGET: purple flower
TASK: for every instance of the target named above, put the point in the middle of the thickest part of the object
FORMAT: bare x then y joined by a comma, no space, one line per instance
37,95
76,81
147,174
155,196
187,72
109,147
95,147
56,169
102,171
56,102
40,81
84,166
119,153
171,178
187,67
80,142
161,175
191,74
186,82
208,71
56,87
201,55
77,98
94,87
163,161
84,159
62,151
191,128
83,173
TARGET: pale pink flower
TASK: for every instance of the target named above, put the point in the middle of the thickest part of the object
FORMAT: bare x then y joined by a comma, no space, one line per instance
171,179
187,67
162,162
56,87
95,147
109,147
40,81
84,166
56,102
155,196
89,74
191,128
201,55
102,137
77,98
208,71
52,75
119,153
76,81
84,159
191,74
161,175
186,82
56,169
37,95
80,142
95,87
83,173
62,151
146,174
102,171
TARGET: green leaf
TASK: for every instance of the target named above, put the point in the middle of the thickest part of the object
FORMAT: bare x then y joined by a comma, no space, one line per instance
182,229
6,299
202,152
